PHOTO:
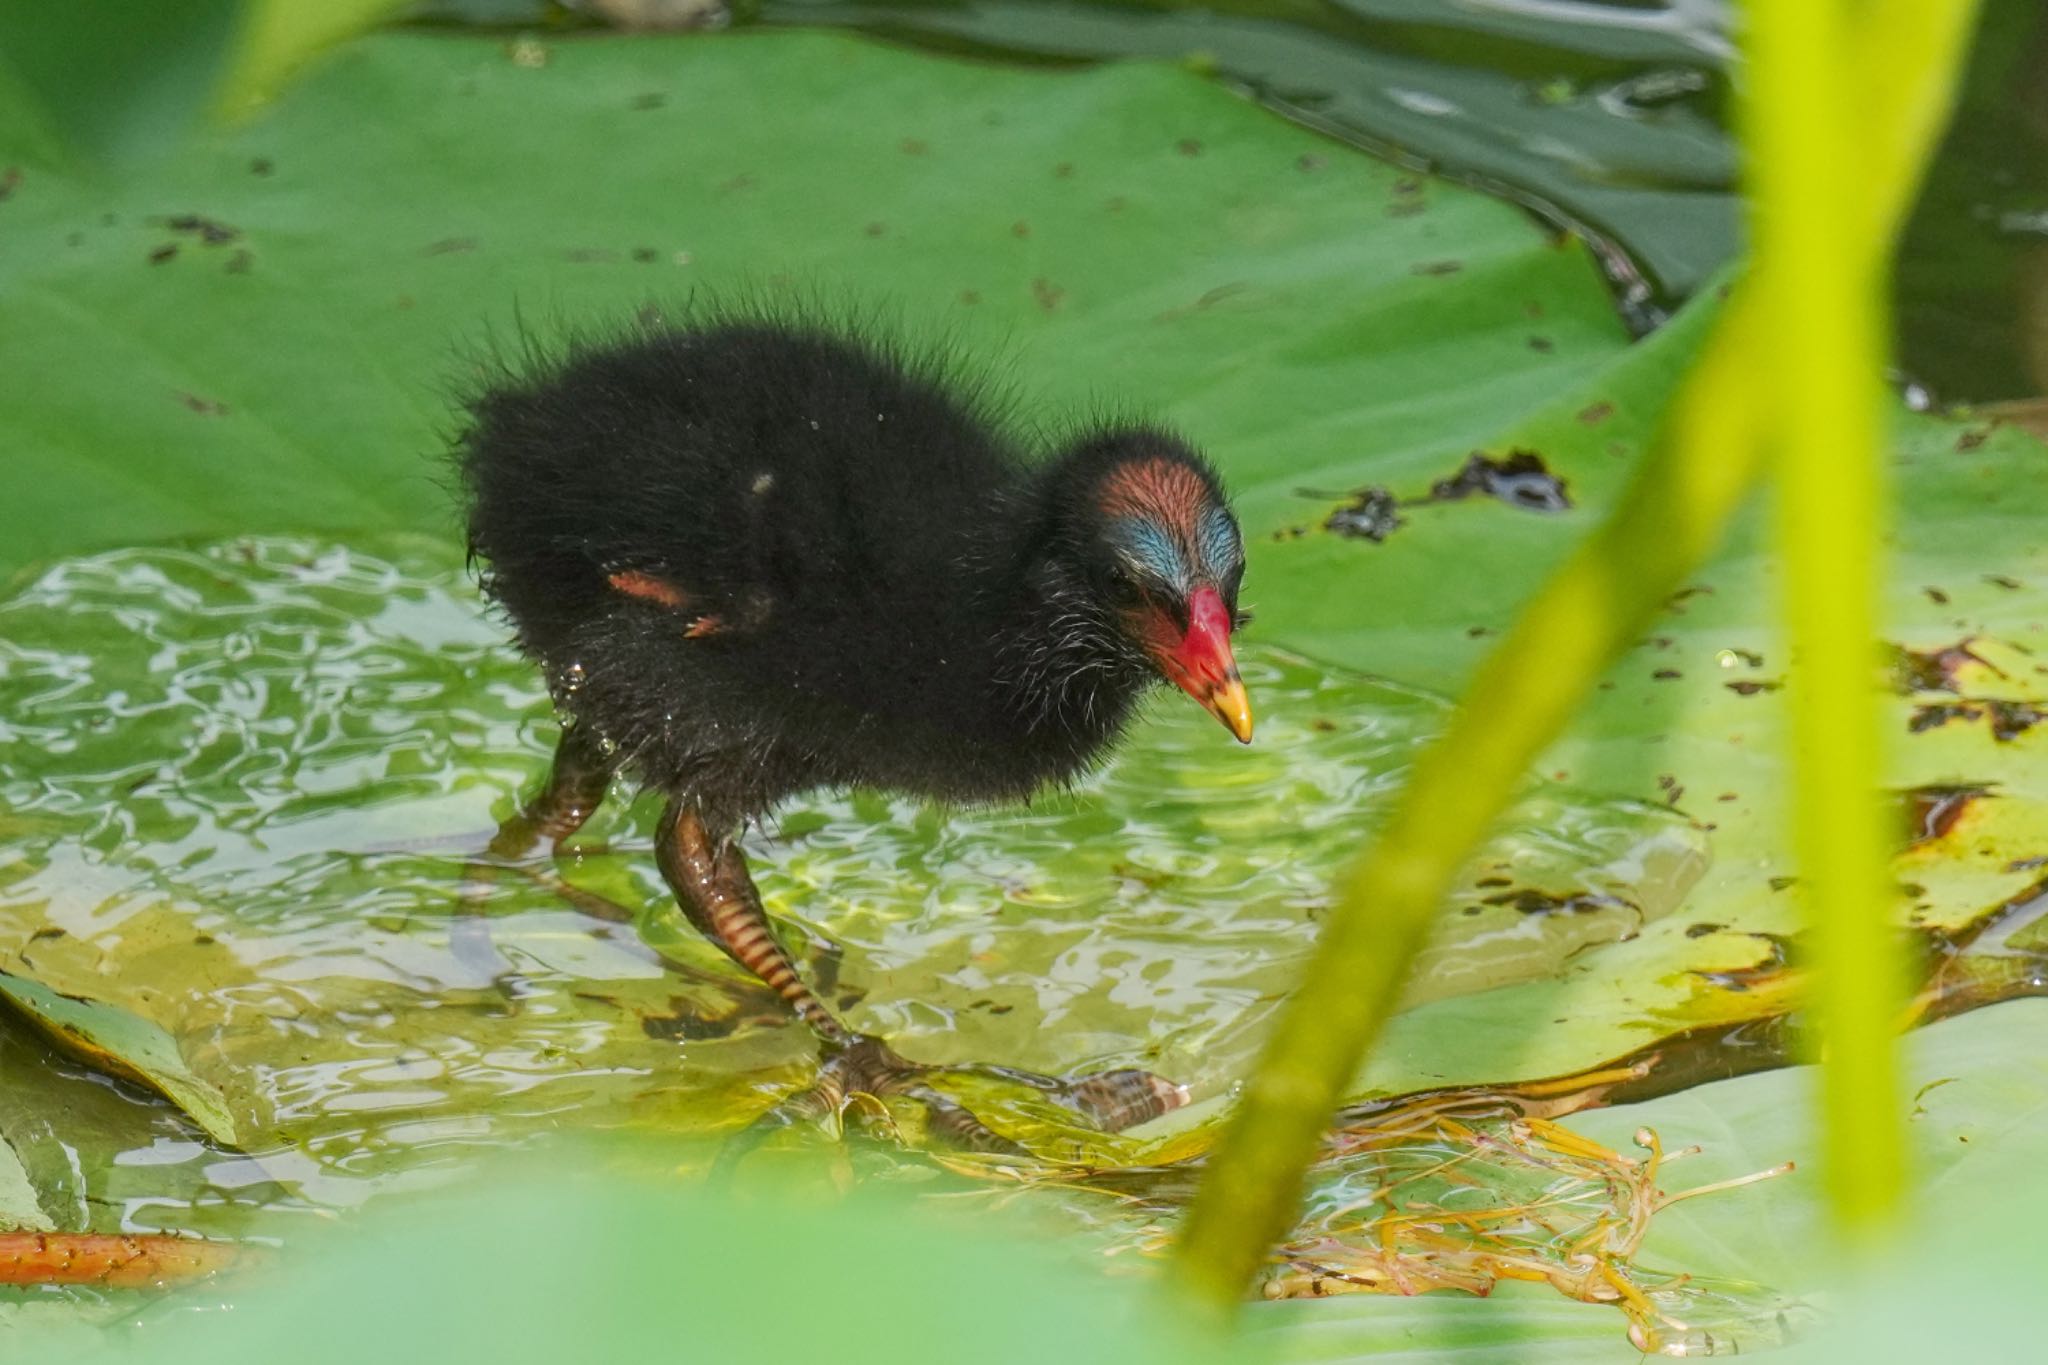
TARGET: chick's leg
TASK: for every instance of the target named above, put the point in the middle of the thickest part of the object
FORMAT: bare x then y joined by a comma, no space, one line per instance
709,877
577,783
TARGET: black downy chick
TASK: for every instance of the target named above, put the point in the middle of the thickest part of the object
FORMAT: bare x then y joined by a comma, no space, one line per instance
760,555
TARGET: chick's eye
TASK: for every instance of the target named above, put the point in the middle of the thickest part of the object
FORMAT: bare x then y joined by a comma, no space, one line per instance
1123,587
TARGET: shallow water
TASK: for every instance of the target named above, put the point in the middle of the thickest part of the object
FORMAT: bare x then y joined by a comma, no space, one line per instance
243,788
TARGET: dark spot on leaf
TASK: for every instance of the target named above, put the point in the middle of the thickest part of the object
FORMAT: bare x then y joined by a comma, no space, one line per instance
970,296
1407,185
1937,714
1666,674
1749,687
1323,725
2011,719
737,183
1310,161
1936,596
1781,883
2027,864
163,253
1063,171
1495,881
239,263
10,181
913,146
1436,267
1932,670
1521,480
1544,344
1530,901
1969,439
590,255
1999,580
1676,602
207,230
1702,930
1047,293
686,1026
1596,412
646,255
1474,632
1188,146
1020,228
1669,784
205,407
875,229
1210,298
449,246
653,99
1370,515
47,931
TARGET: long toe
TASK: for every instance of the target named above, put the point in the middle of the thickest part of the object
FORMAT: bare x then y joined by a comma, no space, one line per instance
1124,1098
947,1120
820,1102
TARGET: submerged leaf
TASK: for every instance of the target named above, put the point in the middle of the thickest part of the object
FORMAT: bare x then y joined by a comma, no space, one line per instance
113,1040
20,1210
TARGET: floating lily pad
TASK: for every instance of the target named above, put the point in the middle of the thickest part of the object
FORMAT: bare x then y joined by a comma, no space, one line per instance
250,775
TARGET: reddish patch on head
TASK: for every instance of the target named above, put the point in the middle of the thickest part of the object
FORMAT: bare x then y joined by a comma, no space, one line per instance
634,583
1160,489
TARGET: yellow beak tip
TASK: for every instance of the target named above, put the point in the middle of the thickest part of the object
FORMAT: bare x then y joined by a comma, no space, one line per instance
1230,705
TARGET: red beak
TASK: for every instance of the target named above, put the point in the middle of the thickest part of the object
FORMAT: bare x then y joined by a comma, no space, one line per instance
1200,664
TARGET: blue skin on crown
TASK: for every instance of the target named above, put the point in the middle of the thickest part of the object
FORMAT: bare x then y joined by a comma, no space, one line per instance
1150,547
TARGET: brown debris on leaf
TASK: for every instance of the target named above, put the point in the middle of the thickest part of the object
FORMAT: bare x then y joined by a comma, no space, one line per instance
1935,670
1370,515
2008,719
1520,480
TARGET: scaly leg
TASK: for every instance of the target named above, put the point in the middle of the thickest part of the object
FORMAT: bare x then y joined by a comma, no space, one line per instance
576,786
710,879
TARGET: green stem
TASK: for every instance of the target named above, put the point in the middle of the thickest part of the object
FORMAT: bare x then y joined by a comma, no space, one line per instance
1901,61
